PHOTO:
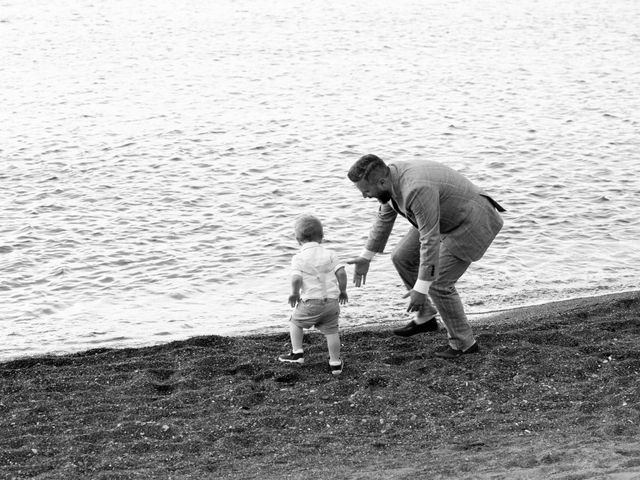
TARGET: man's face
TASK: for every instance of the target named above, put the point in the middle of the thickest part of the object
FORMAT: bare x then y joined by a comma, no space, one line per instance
375,190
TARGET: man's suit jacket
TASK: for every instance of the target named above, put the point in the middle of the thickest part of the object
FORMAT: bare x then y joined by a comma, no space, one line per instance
444,206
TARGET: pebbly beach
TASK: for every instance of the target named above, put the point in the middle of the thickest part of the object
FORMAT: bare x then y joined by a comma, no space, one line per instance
553,393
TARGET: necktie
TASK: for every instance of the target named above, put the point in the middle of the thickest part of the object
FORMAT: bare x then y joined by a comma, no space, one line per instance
397,209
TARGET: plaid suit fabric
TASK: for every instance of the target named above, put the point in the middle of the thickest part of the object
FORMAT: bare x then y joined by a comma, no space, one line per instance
443,293
444,206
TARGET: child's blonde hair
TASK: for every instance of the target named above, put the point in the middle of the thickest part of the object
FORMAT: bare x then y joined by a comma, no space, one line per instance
308,229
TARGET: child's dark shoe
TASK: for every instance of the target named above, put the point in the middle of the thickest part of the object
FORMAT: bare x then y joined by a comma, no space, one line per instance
292,358
336,369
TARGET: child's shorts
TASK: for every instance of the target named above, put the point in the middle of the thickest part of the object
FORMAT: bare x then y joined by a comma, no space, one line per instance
321,313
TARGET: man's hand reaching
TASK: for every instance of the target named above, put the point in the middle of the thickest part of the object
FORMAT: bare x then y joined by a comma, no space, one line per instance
361,267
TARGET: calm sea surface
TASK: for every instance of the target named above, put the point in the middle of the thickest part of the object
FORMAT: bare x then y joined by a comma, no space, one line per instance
153,155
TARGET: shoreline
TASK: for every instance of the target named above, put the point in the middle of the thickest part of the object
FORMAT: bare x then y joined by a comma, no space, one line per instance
553,303
475,318
557,306
553,393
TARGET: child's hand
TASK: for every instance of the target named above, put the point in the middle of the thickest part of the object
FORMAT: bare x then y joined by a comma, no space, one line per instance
294,300
343,298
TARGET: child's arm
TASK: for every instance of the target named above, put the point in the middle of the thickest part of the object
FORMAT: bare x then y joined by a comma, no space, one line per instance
296,285
341,275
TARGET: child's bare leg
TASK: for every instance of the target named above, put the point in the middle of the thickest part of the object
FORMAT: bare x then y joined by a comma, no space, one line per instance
333,343
296,333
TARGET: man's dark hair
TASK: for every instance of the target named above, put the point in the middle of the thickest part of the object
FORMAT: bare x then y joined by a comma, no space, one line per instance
365,166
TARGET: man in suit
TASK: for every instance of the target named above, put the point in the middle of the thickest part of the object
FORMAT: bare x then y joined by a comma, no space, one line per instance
453,222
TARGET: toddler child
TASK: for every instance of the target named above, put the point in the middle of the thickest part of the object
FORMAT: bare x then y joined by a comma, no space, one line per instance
318,288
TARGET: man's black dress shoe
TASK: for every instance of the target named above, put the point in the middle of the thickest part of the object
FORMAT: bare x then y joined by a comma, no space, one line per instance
412,328
450,353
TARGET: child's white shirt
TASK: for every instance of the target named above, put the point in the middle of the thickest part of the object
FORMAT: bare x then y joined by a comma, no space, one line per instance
317,267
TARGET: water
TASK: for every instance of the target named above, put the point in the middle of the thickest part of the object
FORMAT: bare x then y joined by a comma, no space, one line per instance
154,154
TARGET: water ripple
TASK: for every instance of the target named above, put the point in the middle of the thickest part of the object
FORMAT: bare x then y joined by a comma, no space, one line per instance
156,196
